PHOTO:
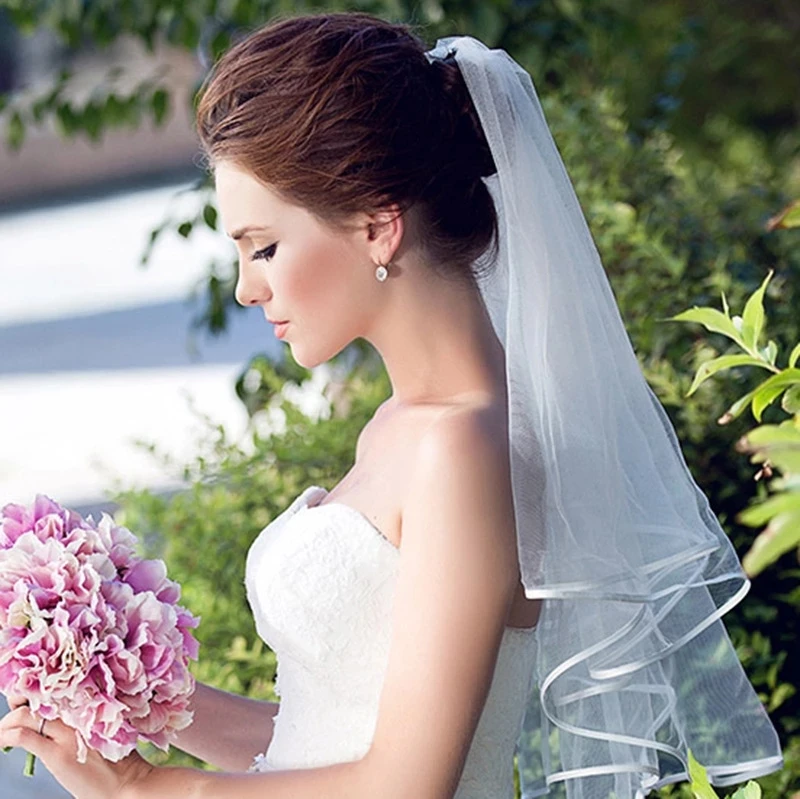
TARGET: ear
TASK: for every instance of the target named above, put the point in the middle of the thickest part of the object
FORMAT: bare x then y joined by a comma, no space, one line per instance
385,230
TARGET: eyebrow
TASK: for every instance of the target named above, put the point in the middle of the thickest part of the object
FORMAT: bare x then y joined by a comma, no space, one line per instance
237,234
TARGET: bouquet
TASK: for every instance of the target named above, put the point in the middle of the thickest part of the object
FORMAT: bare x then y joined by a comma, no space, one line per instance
90,633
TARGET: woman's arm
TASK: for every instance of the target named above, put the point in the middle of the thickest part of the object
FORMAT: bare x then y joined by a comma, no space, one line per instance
351,780
228,730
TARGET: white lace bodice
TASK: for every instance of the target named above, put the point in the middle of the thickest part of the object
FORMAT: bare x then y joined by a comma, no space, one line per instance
320,581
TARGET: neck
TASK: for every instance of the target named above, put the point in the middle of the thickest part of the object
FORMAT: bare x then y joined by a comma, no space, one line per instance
437,341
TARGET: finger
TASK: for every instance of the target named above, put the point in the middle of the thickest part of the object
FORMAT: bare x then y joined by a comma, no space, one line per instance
21,717
24,717
56,730
29,740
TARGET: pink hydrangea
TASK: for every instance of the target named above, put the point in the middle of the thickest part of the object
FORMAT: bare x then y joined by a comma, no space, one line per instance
90,633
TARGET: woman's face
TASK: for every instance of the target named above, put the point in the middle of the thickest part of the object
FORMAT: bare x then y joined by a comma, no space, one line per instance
297,269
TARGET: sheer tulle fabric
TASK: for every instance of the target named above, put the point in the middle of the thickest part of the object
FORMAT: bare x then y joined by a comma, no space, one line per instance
634,665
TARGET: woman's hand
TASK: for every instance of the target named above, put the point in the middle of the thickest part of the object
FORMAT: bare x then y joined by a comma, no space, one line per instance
57,748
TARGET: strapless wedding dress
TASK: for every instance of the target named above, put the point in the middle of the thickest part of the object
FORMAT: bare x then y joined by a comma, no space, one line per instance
320,581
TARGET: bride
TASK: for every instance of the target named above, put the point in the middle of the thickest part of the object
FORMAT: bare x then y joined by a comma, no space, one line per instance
414,199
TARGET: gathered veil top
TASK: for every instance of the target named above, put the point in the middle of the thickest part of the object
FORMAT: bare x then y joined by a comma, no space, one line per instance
320,580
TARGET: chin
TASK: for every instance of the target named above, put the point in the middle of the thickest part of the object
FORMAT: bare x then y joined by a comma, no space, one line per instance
308,360
304,359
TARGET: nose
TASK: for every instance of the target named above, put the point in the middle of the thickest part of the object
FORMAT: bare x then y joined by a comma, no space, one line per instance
251,289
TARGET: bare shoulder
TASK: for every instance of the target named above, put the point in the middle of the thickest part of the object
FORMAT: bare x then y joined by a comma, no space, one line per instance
462,475
469,425
470,442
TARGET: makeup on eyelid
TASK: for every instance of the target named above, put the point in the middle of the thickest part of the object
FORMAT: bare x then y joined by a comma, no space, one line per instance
261,254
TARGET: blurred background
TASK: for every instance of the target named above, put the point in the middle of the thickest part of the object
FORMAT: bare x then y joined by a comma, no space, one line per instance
96,347
678,124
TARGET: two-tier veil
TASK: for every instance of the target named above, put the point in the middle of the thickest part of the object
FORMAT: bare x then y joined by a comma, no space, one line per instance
635,666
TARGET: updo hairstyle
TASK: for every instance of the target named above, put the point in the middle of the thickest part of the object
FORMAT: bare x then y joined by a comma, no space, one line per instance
343,113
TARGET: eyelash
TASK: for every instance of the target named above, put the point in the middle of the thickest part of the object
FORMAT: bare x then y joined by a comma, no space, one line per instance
262,254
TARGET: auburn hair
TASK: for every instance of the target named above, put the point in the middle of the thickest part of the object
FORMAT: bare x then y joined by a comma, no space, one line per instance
343,113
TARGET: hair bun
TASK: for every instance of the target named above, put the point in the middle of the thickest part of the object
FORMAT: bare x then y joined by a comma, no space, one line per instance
342,114
462,134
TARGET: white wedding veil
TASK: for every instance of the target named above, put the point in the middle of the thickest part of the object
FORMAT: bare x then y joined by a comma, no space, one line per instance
634,664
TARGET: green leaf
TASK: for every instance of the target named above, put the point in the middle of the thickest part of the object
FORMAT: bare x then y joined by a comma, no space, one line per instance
795,356
210,216
764,397
778,443
766,393
737,408
154,234
783,692
701,787
770,352
715,365
760,513
93,120
131,110
792,218
786,218
15,134
68,119
185,228
750,791
713,320
188,31
753,315
160,105
791,400
772,435
114,110
781,535
220,42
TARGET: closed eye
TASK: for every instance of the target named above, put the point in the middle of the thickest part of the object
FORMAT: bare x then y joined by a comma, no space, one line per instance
265,254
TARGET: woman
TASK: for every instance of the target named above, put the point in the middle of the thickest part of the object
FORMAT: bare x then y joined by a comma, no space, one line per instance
416,200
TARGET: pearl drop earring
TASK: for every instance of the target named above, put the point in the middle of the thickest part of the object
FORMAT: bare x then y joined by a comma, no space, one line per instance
382,272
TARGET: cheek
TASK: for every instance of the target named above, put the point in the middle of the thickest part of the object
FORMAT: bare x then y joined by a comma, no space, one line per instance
300,290
323,289
326,314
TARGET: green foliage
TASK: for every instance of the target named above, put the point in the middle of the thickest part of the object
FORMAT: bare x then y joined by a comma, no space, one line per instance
778,446
701,787
665,228
744,331
685,230
766,627
773,445
107,107
713,73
